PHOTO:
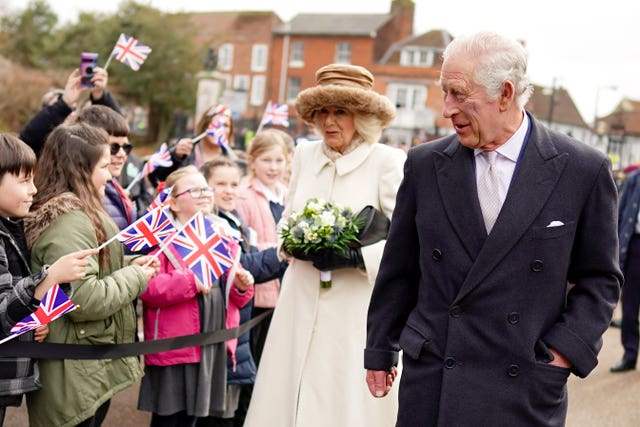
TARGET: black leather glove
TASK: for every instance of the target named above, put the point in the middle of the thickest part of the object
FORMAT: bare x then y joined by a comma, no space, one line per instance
375,226
331,260
301,255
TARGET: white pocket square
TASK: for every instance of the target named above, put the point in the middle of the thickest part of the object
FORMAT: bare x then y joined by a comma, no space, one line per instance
555,224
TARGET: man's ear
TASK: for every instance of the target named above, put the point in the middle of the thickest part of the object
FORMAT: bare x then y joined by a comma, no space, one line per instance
508,95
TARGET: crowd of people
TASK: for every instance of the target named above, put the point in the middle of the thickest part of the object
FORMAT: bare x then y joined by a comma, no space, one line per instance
488,257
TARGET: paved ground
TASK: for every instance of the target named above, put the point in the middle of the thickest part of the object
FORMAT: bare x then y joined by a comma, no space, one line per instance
602,400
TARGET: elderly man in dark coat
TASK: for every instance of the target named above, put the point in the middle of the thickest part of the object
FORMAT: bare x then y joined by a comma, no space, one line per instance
500,273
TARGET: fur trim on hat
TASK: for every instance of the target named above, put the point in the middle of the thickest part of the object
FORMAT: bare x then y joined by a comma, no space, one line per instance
345,86
351,98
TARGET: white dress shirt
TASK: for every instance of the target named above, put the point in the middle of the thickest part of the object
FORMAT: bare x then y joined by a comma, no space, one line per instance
506,160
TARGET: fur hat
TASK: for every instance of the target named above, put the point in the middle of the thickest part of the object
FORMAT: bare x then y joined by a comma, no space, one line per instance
346,86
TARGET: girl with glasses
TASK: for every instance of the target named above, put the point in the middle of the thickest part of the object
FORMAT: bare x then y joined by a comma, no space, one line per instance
182,385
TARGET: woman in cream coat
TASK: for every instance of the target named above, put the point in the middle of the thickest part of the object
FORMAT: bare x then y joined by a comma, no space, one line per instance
311,373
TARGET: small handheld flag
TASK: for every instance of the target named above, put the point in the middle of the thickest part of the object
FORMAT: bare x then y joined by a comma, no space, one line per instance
203,250
54,304
161,158
148,231
276,114
130,52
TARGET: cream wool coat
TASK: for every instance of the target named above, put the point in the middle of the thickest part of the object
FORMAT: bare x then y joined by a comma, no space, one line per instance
312,372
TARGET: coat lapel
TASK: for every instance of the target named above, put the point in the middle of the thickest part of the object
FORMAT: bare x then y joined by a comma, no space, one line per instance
532,184
456,182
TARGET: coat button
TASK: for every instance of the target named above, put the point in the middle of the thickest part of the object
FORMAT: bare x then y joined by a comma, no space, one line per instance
436,254
513,370
536,266
513,317
455,311
449,362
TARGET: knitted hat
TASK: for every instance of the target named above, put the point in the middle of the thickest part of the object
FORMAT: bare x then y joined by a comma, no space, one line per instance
346,86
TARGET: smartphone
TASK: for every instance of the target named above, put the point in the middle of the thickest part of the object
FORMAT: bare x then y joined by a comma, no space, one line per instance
88,61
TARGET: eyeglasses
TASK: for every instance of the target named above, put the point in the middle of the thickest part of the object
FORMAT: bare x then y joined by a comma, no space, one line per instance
197,193
115,148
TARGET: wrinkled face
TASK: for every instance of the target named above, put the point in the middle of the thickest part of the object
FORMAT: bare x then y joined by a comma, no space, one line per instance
16,194
269,166
100,175
337,126
118,159
475,117
225,181
191,194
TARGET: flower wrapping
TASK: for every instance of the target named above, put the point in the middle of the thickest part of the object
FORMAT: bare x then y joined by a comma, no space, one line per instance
320,226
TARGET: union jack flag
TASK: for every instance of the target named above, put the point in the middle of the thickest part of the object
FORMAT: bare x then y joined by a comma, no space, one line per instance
148,231
217,131
276,114
130,51
161,158
203,250
54,304
161,199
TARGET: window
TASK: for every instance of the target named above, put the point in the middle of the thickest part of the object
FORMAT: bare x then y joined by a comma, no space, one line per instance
411,97
257,90
241,82
343,53
293,88
225,57
259,58
296,58
417,57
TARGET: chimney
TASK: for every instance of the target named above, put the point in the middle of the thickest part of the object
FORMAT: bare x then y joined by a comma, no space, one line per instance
402,12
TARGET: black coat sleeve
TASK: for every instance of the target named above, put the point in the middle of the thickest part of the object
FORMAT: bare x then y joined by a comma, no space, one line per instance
263,265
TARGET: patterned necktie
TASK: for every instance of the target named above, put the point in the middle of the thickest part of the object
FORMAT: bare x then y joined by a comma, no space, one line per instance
488,191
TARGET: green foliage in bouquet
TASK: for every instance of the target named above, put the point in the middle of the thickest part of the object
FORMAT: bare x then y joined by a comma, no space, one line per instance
321,225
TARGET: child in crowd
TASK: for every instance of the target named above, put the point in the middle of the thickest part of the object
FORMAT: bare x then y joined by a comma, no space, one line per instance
116,201
182,385
67,215
260,205
21,291
224,175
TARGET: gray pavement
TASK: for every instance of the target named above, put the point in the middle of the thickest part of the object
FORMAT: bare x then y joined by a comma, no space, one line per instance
601,400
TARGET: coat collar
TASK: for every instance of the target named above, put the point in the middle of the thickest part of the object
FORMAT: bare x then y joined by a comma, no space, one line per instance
532,184
344,164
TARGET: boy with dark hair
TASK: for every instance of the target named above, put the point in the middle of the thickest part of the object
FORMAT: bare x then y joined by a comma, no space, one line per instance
21,291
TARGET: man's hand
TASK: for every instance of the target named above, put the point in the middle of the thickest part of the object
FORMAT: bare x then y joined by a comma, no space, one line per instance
380,382
559,360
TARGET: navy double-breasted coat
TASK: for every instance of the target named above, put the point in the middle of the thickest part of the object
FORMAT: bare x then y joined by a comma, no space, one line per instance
476,314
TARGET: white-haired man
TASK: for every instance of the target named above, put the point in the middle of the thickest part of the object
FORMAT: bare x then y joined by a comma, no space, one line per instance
500,272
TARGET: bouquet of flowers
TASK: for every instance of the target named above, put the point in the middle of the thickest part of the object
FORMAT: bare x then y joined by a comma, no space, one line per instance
320,226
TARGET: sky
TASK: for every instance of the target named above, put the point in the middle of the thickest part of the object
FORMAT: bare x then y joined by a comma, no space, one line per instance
592,49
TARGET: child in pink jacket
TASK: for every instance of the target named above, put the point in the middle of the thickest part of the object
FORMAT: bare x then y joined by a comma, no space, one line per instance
185,384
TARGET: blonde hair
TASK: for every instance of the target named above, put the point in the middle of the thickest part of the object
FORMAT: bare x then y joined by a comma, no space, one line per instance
178,174
265,140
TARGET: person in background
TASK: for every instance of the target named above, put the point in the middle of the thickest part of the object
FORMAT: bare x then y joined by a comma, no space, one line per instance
224,176
187,152
116,201
260,204
67,216
310,373
142,193
629,250
500,272
180,386
20,290
60,104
